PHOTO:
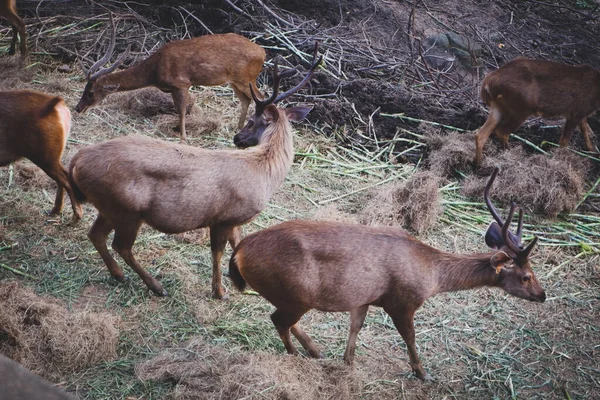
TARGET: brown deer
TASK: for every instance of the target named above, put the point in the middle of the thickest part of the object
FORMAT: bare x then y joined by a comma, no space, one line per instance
330,266
8,10
175,188
524,87
36,126
175,67
18,383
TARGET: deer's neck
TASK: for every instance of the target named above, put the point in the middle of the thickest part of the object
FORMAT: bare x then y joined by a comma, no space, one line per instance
132,78
276,154
461,272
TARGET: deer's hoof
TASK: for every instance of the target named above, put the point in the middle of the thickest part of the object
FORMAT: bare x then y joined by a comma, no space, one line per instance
160,292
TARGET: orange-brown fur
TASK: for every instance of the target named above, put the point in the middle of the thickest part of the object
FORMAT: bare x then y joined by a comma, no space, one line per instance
178,65
176,188
18,383
332,266
35,126
525,87
8,10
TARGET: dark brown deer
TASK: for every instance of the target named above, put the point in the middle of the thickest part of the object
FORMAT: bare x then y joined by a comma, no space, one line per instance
175,67
330,266
523,88
36,126
18,383
175,188
8,10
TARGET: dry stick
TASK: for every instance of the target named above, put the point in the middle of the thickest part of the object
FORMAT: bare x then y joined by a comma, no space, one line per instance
277,17
197,19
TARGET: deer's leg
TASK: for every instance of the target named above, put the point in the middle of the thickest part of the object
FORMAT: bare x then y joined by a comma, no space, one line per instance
98,235
218,239
587,135
283,321
60,176
357,319
484,133
180,100
506,127
18,27
125,234
235,237
403,320
306,341
245,99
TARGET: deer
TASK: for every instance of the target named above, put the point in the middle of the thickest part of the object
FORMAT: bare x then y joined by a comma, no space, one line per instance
8,10
36,126
18,383
330,266
176,188
524,87
206,60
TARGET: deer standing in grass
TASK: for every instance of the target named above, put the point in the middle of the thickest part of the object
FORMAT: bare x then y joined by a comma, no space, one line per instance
523,88
36,126
175,188
175,67
330,266
8,10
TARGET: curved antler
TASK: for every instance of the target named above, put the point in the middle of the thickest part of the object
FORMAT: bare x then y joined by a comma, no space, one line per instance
109,51
505,233
275,96
488,202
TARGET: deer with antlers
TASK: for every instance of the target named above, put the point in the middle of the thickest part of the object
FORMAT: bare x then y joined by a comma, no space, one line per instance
8,10
207,60
330,266
523,87
175,188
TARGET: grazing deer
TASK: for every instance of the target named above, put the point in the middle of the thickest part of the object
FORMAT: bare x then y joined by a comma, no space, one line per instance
36,126
175,188
18,383
8,10
330,266
524,87
175,67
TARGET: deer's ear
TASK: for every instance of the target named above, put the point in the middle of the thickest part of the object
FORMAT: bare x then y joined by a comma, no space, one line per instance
493,236
501,260
297,114
111,88
270,114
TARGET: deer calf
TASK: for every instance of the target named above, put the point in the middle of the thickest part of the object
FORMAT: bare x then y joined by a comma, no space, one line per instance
330,266
175,67
524,87
175,188
8,10
36,126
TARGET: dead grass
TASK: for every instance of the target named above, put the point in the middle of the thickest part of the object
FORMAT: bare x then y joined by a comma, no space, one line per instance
45,337
414,203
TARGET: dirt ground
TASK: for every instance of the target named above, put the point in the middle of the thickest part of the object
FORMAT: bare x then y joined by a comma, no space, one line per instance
378,104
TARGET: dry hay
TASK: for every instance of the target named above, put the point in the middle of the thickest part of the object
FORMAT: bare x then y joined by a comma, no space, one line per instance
202,371
543,184
414,203
453,151
49,340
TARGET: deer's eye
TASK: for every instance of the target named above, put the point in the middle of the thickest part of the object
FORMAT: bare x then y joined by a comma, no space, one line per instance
526,278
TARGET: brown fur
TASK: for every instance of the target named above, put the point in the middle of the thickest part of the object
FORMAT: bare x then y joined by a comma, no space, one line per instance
175,67
525,87
30,127
17,383
176,188
8,10
330,266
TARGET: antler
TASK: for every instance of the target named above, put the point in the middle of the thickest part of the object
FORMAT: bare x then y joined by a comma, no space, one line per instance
515,238
275,96
91,73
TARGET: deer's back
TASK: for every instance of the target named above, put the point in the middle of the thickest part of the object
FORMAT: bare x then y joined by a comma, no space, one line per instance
332,266
545,88
208,60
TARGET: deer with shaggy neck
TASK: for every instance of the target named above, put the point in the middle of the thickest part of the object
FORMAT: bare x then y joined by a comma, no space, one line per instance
523,88
8,10
302,265
176,188
207,60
